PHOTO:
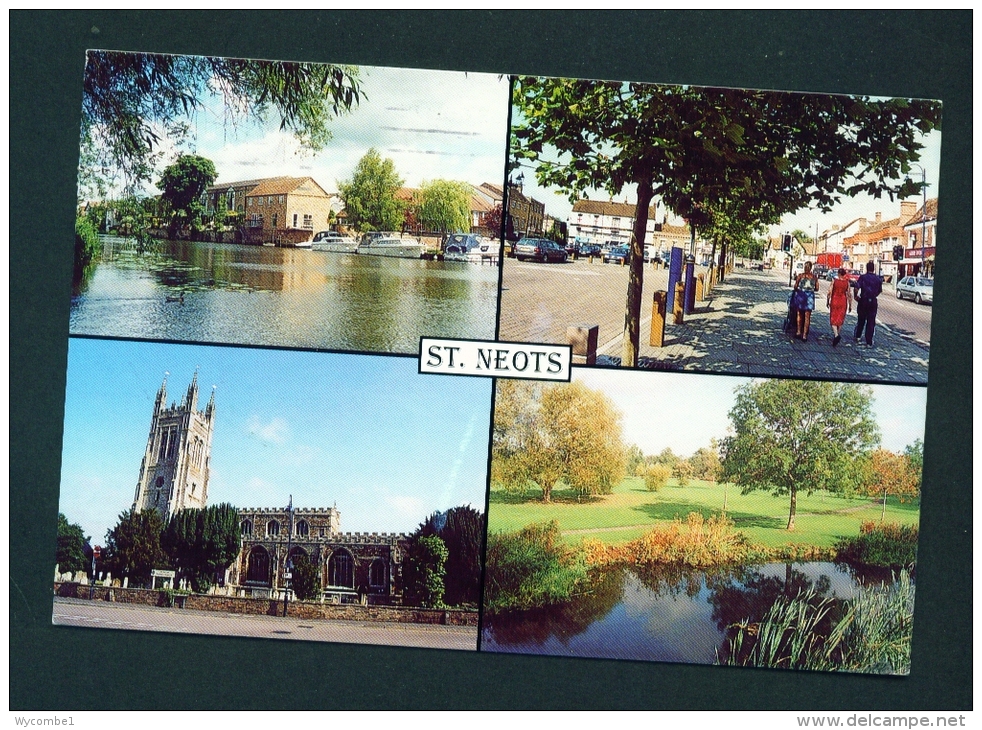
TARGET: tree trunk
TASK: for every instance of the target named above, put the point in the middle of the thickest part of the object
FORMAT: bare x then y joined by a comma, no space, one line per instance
635,283
794,503
883,511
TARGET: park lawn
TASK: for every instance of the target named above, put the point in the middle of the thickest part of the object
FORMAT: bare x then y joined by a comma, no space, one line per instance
821,518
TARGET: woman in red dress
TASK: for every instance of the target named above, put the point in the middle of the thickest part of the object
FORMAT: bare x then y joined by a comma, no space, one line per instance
838,302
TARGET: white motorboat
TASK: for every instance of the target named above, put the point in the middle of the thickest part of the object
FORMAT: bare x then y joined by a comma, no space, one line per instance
391,245
333,242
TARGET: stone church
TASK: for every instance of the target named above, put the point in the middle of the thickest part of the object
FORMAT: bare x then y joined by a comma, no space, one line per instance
363,567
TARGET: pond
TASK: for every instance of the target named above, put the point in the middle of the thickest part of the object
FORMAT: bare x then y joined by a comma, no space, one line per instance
668,615
288,297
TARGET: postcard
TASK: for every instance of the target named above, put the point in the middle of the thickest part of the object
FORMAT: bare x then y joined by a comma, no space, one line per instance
640,376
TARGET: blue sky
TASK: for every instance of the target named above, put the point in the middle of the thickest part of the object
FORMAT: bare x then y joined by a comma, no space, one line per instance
386,445
432,124
684,411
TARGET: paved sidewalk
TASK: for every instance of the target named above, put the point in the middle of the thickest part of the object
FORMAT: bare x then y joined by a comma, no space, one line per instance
738,329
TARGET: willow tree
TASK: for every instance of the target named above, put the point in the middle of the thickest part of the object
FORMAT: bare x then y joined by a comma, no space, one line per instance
754,154
791,436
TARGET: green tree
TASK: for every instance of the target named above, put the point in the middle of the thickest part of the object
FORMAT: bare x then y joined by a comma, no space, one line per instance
305,584
444,206
634,460
73,550
682,471
562,432
705,463
793,435
133,547
666,457
131,101
202,542
370,196
183,183
424,571
656,476
753,154
462,531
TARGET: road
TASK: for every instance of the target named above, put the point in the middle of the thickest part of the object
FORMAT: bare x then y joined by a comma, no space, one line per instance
106,615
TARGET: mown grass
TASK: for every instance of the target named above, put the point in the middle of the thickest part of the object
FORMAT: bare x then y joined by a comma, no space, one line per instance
822,519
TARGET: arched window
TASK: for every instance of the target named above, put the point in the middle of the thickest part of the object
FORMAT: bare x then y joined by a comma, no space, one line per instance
378,574
258,571
303,529
341,569
298,555
246,527
272,528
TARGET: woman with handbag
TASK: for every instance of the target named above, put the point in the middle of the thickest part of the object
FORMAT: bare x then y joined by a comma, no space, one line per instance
805,288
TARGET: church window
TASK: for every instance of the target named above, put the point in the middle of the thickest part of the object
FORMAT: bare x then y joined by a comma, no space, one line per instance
303,529
341,569
272,528
172,445
246,527
377,573
258,569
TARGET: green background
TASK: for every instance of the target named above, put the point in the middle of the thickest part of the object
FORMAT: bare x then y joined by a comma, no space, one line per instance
922,54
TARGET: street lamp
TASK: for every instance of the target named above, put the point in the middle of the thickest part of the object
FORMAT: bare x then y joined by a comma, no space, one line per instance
923,215
288,564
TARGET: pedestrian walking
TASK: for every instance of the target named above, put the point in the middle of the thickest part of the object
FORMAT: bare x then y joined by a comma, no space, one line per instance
805,289
868,288
838,302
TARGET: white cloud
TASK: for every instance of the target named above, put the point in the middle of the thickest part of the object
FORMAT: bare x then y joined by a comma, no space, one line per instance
276,430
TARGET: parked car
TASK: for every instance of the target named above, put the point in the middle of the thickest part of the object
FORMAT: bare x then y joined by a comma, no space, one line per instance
917,288
539,249
617,254
589,249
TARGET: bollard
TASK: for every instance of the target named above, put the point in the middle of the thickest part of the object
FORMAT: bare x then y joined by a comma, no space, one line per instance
583,339
678,306
700,287
658,304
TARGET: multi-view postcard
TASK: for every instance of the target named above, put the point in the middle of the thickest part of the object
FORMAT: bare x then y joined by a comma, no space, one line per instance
695,326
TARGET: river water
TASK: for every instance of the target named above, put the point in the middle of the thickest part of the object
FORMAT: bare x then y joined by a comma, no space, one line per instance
669,615
260,295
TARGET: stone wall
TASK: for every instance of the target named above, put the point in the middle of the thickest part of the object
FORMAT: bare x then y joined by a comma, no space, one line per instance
307,610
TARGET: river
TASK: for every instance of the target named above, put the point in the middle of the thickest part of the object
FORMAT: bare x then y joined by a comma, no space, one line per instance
285,297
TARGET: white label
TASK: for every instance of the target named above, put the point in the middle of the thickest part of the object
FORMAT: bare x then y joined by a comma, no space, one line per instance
495,359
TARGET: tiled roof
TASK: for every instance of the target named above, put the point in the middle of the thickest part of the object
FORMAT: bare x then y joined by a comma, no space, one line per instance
406,194
221,187
284,185
932,212
480,204
495,190
603,207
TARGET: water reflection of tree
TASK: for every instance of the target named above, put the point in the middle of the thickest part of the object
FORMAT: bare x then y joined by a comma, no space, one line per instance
562,621
674,580
744,602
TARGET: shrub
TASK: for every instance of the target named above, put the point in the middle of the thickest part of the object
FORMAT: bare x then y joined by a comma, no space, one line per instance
697,542
86,242
530,567
888,545
656,476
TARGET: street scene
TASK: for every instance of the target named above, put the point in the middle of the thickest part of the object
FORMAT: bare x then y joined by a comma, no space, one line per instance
737,329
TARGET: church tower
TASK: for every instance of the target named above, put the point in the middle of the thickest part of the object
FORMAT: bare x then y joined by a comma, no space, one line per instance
174,471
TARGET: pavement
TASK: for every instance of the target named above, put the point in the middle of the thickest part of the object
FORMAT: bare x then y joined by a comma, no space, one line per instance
739,330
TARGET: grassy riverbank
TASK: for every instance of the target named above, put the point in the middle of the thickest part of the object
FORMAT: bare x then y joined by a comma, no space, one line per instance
631,511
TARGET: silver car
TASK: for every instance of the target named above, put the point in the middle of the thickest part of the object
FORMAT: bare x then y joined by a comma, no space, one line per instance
917,288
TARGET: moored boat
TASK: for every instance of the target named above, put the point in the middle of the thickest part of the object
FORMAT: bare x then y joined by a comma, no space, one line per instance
333,242
390,244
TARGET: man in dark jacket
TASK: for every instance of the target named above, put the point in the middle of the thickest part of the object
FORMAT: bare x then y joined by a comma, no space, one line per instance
868,288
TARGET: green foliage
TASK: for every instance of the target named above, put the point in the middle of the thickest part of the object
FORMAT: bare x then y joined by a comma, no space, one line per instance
86,242
888,545
563,432
706,464
799,435
531,567
696,543
748,155
870,633
72,547
369,197
128,98
305,580
423,572
634,460
202,542
462,531
133,546
683,472
183,183
444,206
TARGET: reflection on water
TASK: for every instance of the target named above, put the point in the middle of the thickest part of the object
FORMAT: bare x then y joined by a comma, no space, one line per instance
261,295
664,614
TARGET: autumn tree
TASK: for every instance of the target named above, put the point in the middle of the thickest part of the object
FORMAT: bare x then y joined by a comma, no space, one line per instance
562,433
791,435
655,476
73,550
370,195
889,473
706,464
753,154
133,102
682,471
